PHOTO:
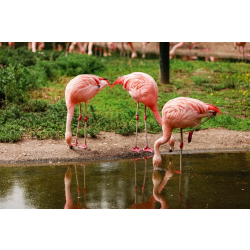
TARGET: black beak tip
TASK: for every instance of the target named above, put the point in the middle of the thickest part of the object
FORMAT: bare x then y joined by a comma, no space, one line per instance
71,147
170,150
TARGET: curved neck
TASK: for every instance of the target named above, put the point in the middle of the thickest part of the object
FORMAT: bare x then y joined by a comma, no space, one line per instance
69,117
157,115
160,198
167,131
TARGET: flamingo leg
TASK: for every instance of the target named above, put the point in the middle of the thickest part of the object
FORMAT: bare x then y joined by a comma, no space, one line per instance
146,148
79,120
144,180
85,128
135,148
84,183
78,186
181,146
67,49
135,190
197,126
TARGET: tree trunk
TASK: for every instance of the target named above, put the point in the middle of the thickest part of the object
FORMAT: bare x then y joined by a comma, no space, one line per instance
164,62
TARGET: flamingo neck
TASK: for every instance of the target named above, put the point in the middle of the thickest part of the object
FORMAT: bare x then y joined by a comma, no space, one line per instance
167,131
69,200
68,135
157,115
160,198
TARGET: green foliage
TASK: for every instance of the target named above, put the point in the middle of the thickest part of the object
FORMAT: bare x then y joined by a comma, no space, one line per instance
24,56
16,80
125,129
225,85
75,64
199,80
35,106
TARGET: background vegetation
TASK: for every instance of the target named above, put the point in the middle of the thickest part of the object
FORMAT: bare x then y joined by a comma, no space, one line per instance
32,89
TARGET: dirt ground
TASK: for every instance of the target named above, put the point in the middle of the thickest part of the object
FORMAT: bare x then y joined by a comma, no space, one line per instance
110,146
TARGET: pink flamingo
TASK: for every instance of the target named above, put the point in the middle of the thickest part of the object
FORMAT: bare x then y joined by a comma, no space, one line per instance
81,89
11,44
40,46
113,46
67,180
143,89
240,45
182,112
79,45
178,45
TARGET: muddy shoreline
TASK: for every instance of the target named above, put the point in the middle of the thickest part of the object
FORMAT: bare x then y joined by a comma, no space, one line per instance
109,146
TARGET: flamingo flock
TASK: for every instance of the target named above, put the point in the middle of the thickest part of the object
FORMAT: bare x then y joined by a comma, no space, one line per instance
181,112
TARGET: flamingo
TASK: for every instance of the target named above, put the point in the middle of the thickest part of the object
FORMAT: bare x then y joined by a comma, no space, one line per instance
143,89
11,44
240,44
182,112
67,180
40,46
178,45
81,89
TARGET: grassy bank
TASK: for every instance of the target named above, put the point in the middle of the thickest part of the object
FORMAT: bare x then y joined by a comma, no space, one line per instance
32,93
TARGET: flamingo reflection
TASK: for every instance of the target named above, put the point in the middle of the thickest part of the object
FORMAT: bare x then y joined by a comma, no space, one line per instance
159,183
151,201
67,180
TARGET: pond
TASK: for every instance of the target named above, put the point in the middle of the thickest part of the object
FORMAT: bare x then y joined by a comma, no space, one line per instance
208,181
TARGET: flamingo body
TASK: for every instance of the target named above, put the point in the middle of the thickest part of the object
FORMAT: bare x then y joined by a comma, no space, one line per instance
181,112
81,89
143,89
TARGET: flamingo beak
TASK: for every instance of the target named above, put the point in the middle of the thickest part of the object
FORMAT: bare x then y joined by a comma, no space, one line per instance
107,82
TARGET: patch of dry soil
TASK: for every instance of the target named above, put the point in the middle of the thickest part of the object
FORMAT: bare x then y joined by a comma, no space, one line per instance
109,146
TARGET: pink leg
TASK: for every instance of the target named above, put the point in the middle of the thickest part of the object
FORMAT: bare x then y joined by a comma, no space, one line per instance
135,148
90,48
85,129
33,46
146,148
134,55
181,147
79,120
40,45
172,51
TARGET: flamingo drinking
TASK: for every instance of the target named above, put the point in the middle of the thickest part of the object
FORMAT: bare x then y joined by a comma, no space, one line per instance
182,112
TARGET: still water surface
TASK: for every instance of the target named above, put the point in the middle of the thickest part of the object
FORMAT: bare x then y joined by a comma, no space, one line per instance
208,181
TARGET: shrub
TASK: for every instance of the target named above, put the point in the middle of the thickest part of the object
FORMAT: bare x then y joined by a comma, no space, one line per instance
75,64
16,80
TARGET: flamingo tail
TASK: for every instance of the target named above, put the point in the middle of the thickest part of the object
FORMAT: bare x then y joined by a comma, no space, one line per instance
212,107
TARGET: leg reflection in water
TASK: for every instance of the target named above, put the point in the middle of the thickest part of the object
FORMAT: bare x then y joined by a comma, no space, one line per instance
144,204
67,180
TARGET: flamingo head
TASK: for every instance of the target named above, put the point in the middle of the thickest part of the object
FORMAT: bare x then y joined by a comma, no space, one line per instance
68,139
171,143
157,161
104,82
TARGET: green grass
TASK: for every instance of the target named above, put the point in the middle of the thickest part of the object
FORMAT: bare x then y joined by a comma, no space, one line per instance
36,108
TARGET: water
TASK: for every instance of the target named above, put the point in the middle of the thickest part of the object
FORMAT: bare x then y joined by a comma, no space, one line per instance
208,181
